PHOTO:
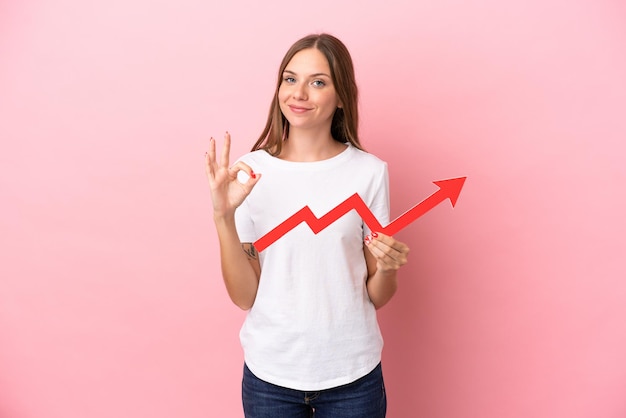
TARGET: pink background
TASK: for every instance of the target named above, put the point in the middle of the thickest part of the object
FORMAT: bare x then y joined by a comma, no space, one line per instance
513,304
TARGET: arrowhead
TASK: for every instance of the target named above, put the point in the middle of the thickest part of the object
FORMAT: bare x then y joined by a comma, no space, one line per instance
451,188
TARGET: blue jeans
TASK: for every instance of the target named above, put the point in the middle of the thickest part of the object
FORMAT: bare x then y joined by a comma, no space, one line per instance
363,398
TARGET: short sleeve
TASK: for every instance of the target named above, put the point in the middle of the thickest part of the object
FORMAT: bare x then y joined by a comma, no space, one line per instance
379,200
244,223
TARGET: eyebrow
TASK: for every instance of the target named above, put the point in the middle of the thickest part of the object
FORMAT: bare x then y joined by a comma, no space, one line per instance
312,75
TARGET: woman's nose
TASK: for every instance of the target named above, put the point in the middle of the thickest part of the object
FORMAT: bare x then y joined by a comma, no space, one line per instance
299,92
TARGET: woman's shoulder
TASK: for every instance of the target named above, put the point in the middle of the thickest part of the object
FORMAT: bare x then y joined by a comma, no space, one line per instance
257,156
364,157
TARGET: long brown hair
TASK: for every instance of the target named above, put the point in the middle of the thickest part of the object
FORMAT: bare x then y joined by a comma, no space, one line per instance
344,127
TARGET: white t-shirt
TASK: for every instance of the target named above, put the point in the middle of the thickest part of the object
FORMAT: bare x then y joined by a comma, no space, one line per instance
312,325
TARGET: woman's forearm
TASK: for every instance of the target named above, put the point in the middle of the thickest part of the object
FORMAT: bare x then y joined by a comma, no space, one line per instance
240,277
381,287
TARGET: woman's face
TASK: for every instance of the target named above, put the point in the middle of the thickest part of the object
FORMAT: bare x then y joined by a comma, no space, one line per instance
307,95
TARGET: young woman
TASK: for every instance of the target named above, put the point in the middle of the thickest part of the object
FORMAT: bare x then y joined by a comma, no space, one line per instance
311,340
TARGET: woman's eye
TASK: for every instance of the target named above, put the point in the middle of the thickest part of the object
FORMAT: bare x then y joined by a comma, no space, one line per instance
289,80
319,83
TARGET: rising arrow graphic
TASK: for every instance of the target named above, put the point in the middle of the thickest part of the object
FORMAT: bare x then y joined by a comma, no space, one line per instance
448,189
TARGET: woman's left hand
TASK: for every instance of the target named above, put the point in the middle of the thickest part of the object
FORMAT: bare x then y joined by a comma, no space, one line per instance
390,254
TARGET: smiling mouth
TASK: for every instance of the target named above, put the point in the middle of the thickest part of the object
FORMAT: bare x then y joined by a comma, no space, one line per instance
297,109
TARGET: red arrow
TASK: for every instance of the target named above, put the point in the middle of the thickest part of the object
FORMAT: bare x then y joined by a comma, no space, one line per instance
448,189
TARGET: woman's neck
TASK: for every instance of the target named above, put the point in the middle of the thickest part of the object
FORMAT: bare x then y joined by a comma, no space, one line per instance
304,146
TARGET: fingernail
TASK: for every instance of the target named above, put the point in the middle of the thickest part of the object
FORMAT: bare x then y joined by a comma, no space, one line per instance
252,174
368,239
374,234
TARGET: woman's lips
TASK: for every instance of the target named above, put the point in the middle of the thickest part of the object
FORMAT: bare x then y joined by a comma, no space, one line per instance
298,109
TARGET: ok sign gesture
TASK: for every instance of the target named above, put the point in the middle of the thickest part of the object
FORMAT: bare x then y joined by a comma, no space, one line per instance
227,193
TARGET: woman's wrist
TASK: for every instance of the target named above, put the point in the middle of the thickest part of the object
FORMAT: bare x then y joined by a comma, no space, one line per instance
223,218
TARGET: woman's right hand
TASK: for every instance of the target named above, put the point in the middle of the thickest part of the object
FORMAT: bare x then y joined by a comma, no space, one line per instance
227,193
